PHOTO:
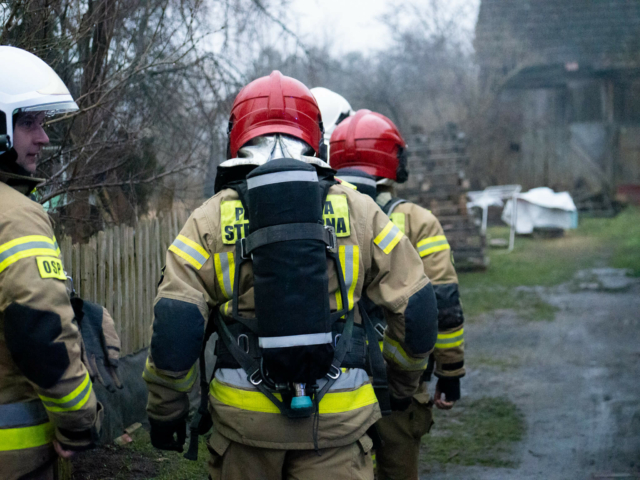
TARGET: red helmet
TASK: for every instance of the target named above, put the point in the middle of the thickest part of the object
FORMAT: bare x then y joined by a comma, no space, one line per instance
275,104
370,142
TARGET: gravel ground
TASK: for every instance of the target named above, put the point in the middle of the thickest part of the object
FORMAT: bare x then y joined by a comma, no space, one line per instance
575,378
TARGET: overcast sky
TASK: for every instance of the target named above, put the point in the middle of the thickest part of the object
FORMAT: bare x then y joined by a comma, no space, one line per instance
352,24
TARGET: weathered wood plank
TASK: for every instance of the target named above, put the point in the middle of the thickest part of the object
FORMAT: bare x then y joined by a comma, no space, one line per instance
117,275
126,293
110,283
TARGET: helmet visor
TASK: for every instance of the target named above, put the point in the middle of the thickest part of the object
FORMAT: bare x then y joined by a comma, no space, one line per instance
52,108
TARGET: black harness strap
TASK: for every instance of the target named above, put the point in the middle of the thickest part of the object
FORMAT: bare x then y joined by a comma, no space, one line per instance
285,233
377,365
202,412
391,205
248,364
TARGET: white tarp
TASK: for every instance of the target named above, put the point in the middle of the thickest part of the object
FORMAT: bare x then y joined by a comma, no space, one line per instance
542,207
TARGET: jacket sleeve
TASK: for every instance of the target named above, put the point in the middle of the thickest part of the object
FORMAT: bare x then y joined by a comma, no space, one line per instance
39,331
397,283
181,311
434,249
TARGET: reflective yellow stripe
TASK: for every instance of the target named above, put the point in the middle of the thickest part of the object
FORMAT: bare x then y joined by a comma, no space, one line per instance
194,245
388,238
255,401
190,251
350,262
432,245
457,333
398,220
178,384
449,345
347,184
435,249
394,352
28,246
55,244
450,340
25,437
225,271
71,402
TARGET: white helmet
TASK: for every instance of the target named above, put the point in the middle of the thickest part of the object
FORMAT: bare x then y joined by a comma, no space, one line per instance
334,109
30,85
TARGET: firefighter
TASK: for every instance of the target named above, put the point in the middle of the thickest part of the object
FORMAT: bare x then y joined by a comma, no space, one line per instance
369,152
334,109
258,259
47,404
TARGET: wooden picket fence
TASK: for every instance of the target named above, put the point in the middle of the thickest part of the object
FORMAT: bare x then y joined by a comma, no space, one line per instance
119,268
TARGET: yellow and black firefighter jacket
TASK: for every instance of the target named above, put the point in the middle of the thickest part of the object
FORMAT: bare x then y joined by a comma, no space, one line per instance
376,257
45,390
425,233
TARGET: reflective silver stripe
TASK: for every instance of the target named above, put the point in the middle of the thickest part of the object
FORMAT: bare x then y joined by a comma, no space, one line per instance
180,245
226,277
295,340
427,246
280,177
384,243
27,246
348,266
350,379
71,403
27,414
370,182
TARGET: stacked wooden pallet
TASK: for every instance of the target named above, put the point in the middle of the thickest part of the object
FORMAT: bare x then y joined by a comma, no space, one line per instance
437,163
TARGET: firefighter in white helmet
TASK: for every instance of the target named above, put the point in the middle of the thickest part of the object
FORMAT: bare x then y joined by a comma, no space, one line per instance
47,404
334,109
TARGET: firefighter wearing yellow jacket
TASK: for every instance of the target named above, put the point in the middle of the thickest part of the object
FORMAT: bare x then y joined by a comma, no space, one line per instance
291,396
369,152
47,404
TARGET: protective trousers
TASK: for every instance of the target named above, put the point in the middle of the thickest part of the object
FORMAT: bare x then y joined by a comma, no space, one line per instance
229,460
401,432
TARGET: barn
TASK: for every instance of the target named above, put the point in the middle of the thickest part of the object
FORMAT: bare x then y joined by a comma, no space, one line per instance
566,80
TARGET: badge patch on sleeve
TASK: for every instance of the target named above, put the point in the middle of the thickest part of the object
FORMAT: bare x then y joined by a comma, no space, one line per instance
50,267
336,214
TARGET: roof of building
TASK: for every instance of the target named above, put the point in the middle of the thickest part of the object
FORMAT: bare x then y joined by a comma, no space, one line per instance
597,34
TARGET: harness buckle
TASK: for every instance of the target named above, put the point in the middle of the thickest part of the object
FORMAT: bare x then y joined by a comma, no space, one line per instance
243,248
335,375
245,341
379,328
335,341
333,239
255,381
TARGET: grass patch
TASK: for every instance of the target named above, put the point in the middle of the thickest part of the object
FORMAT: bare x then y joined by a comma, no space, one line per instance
139,460
620,236
502,364
597,242
476,432
172,464
527,304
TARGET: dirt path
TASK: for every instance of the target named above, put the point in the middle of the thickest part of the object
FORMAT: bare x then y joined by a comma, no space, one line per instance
576,379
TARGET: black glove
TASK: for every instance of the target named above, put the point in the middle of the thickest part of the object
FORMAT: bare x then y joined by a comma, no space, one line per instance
205,424
162,434
450,387
399,404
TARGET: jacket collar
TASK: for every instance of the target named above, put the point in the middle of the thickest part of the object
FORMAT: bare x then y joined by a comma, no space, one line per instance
15,176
